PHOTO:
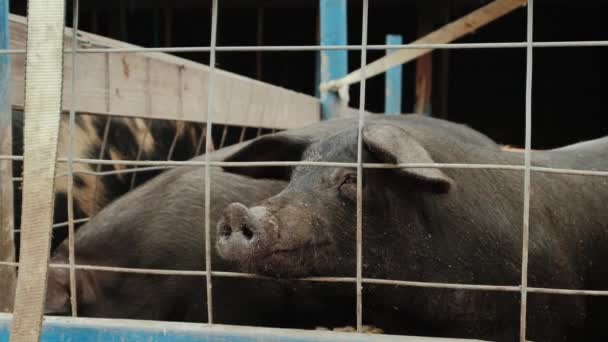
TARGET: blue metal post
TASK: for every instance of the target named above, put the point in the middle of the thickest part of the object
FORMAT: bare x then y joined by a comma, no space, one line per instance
7,251
5,70
334,63
392,89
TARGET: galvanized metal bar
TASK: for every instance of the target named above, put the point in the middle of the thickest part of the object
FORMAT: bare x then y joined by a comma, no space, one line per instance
242,136
140,149
359,283
393,77
202,139
70,166
223,139
210,94
527,169
333,63
285,48
325,164
389,282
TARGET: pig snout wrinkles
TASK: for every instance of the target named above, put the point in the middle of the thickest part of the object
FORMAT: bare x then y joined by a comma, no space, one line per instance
245,232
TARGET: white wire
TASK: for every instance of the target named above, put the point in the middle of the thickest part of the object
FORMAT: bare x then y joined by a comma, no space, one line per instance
527,164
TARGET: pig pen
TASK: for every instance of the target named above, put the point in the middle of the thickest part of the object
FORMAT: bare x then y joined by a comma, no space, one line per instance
127,80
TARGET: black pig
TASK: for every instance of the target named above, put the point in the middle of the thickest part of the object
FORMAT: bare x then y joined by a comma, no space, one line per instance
435,225
160,226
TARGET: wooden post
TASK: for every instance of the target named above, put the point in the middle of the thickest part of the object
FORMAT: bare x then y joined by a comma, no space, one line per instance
7,247
442,70
393,77
333,63
424,64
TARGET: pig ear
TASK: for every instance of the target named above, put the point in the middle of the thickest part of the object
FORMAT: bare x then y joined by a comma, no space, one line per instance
391,144
269,148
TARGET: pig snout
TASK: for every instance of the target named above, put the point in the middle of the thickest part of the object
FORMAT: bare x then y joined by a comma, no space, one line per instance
243,233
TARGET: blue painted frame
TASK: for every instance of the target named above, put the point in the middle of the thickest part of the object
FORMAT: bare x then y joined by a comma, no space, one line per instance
5,60
59,329
332,64
393,79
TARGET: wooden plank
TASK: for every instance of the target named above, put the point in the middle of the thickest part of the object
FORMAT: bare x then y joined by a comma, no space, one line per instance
44,76
7,244
121,86
89,329
448,33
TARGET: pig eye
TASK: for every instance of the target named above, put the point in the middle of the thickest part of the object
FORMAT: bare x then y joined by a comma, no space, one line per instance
348,186
350,178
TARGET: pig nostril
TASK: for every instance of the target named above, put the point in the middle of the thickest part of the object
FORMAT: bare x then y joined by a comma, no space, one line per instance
247,233
225,231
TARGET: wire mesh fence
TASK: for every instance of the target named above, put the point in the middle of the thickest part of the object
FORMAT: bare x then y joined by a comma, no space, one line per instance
137,165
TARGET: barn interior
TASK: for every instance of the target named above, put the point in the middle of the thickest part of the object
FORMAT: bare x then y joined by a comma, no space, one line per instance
483,88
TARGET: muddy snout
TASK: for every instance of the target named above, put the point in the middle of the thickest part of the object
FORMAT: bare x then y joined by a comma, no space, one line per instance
244,233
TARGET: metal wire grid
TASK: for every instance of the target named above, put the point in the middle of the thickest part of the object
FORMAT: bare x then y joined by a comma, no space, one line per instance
527,168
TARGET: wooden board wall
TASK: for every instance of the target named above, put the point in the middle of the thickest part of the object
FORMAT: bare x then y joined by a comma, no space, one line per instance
162,86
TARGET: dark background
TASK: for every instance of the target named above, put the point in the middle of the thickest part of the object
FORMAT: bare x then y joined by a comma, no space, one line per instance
482,88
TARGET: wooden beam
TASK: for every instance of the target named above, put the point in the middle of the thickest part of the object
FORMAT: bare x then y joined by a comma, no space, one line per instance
424,84
424,64
122,84
7,244
448,33
442,69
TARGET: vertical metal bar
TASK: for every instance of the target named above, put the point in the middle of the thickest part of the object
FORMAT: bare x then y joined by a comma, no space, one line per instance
207,173
223,139
178,130
140,150
392,88
70,166
360,168
527,164
242,136
333,63
201,140
102,151
148,108
7,244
